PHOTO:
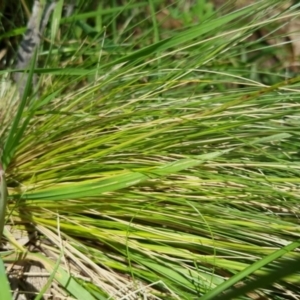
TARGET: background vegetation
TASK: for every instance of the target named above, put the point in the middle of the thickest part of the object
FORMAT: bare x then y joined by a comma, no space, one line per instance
159,158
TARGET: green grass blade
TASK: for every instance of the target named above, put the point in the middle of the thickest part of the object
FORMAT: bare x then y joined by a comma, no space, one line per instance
216,293
5,292
3,201
180,38
16,132
65,279
86,189
276,274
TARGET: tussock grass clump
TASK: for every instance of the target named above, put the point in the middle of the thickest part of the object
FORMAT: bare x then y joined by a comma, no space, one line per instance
160,173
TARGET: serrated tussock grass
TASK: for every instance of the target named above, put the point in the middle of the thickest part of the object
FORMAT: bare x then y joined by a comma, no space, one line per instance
160,173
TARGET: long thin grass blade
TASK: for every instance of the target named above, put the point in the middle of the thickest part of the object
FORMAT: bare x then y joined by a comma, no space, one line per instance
89,189
248,271
3,200
5,292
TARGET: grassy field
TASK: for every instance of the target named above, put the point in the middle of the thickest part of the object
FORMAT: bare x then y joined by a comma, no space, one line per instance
159,158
